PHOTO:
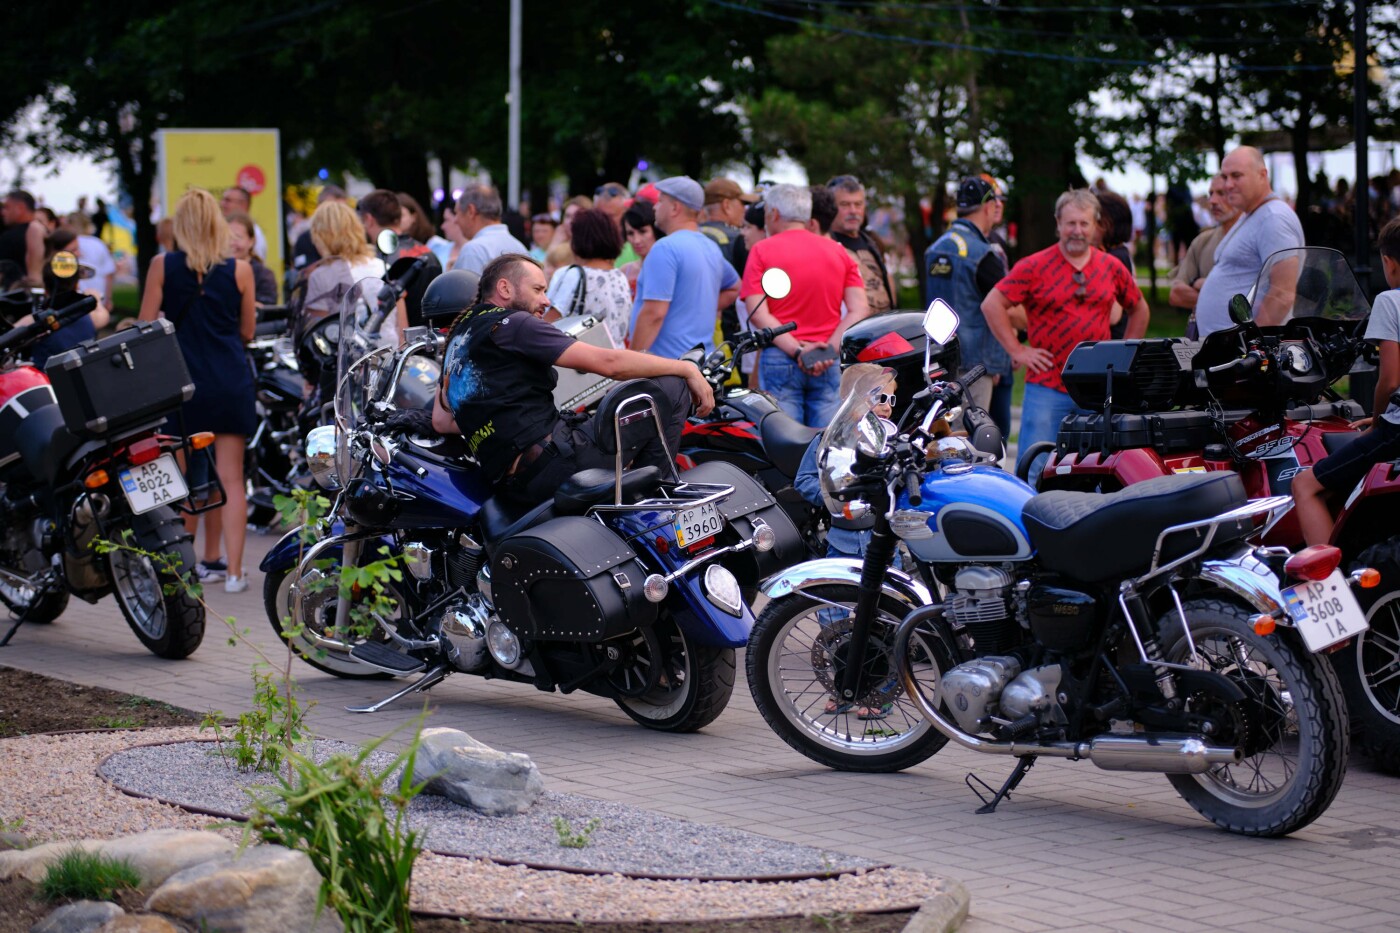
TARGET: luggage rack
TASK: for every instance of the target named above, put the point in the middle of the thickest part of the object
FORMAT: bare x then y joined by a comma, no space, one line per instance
682,496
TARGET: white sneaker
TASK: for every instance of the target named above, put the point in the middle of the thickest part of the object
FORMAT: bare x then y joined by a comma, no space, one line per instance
235,584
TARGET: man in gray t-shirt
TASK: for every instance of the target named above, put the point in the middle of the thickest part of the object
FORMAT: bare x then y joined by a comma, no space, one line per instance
1266,226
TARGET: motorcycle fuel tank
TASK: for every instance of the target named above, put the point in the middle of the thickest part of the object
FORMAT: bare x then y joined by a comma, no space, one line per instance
973,514
22,390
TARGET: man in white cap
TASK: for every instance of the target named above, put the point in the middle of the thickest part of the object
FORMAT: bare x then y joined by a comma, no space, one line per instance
685,281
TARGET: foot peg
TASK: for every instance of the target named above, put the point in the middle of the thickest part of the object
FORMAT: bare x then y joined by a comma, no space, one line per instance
989,805
381,656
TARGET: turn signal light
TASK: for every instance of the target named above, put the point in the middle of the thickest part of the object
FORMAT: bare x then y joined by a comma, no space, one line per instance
96,479
1368,578
201,440
1264,625
1313,563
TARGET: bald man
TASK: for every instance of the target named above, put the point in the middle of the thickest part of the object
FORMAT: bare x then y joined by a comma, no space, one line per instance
1266,225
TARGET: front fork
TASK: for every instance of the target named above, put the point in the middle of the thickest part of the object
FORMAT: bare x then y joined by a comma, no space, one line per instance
878,556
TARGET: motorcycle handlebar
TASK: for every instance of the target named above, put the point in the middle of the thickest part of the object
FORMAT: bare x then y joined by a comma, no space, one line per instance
913,484
1250,362
270,329
45,323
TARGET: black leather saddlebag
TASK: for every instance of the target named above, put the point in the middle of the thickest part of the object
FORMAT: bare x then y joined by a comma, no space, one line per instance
569,579
749,505
130,379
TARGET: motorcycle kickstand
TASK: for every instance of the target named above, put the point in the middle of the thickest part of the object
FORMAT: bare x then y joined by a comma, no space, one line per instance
1023,764
431,678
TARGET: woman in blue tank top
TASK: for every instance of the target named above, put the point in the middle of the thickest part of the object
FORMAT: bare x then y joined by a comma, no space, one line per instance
209,297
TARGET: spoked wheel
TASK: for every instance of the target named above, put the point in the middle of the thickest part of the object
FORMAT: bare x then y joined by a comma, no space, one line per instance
324,651
796,660
166,618
668,682
1291,724
1369,666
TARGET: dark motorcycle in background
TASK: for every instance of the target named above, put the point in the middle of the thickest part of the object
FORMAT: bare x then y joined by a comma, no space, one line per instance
84,456
1260,402
1139,630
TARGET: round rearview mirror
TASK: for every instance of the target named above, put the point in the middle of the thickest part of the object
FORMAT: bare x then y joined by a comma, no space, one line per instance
64,264
777,284
1240,311
388,242
940,322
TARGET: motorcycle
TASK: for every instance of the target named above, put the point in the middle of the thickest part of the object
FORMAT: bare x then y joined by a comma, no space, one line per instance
1138,630
83,457
1259,402
626,584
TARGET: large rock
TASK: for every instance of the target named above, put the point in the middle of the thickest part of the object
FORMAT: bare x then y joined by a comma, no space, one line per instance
78,917
156,855
265,888
458,767
141,923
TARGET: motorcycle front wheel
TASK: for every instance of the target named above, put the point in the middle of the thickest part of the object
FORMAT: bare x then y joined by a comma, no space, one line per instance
325,652
692,687
1292,724
796,659
153,594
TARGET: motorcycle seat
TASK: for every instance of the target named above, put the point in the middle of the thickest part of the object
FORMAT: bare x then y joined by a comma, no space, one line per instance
502,517
45,443
1333,441
588,488
785,440
1094,537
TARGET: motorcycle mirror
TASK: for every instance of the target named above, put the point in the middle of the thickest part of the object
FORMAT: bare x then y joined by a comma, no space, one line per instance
388,242
64,264
871,435
777,284
1240,311
940,322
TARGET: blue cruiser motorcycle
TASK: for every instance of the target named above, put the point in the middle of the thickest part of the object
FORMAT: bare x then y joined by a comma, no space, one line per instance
1140,630
629,584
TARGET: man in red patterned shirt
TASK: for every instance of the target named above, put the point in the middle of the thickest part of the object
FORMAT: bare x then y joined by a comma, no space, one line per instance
1068,291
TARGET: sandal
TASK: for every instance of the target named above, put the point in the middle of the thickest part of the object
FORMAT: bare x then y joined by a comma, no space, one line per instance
872,712
834,709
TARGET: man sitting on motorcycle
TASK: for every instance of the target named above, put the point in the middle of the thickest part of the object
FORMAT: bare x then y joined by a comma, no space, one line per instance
498,382
1334,476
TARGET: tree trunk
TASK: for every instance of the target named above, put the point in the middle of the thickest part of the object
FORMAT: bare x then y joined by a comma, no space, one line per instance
136,172
1044,168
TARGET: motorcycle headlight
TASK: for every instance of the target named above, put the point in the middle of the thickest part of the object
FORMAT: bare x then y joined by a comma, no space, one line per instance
320,456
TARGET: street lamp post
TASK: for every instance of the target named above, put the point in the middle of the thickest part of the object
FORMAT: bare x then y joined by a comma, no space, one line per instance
513,131
1363,172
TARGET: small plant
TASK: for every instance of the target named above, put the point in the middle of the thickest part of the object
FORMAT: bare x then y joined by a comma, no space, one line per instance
80,875
335,813
262,736
118,722
833,921
12,825
571,838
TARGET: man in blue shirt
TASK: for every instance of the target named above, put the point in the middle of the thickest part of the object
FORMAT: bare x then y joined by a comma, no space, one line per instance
685,280
961,267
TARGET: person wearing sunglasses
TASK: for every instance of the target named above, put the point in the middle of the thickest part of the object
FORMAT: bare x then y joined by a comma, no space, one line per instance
1068,290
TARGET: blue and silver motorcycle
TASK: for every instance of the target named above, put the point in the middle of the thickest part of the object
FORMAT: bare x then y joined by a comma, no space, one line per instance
1140,630
628,584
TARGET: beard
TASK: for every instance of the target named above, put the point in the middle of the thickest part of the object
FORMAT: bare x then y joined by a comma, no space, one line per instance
1075,245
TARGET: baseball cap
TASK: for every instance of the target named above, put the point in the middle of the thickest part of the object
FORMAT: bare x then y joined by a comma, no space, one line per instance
649,193
976,190
726,189
684,189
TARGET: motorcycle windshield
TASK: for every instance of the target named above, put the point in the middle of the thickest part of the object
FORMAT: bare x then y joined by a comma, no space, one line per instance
1310,281
360,362
854,428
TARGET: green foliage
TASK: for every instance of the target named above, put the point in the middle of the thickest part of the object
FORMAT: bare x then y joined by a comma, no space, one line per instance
80,875
12,825
264,735
335,812
118,722
571,838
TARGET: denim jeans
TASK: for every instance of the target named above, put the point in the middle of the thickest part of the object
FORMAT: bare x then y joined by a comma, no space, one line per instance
1042,410
812,400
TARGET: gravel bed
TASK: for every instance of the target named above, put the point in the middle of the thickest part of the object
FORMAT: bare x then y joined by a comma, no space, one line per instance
626,839
51,783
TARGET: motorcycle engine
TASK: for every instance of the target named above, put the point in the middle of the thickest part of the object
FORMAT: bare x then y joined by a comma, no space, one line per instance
993,691
979,605
463,629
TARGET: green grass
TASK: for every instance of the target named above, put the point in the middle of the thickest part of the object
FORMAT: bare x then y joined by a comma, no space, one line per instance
118,722
79,875
125,300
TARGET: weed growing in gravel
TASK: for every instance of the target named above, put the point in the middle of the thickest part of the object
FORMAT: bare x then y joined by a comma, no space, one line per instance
335,812
118,722
12,825
571,838
79,875
833,921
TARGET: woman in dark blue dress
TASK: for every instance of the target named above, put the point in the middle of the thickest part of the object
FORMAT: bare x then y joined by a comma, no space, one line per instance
209,297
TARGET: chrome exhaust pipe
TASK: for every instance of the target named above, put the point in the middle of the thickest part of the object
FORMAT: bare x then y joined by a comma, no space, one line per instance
1163,754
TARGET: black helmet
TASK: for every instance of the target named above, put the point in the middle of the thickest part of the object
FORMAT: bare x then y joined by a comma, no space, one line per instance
449,295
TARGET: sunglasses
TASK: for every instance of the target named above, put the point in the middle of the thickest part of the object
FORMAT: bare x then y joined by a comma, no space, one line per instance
882,398
1079,279
611,191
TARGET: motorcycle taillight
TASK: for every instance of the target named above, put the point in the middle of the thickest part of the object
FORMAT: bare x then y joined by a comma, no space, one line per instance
1313,563
143,451
892,344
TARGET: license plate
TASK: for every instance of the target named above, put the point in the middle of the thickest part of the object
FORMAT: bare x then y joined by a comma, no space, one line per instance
1324,611
153,484
697,524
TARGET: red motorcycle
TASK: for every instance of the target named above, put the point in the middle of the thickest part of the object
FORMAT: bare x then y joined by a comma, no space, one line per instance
1259,401
82,458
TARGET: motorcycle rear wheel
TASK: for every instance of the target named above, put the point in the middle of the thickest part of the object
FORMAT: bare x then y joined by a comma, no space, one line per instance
794,661
153,599
1294,720
331,655
695,685
1369,666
